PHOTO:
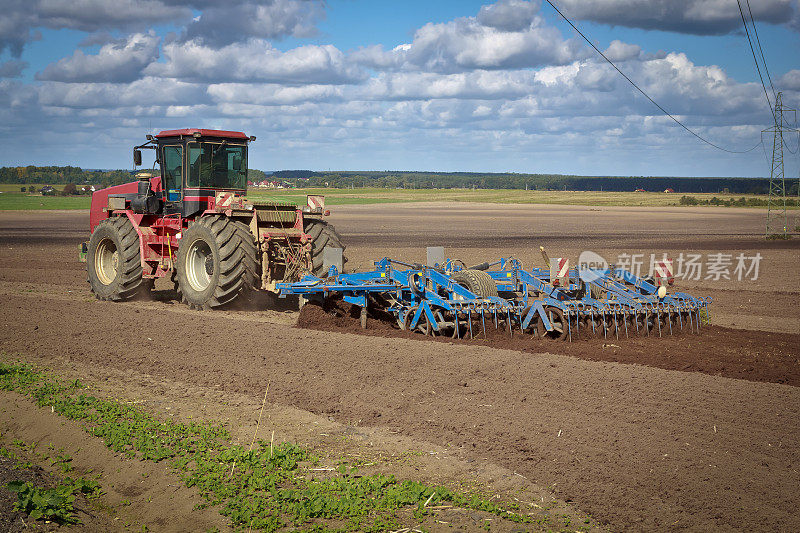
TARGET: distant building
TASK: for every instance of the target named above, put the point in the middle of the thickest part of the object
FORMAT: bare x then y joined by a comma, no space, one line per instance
669,190
639,190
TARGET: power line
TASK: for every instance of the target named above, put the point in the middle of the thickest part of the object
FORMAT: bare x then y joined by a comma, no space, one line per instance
764,147
667,113
758,68
761,50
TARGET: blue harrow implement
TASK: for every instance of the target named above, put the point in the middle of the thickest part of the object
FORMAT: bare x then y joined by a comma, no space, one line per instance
452,300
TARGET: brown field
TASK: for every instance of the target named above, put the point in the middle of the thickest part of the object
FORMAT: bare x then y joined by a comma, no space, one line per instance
701,434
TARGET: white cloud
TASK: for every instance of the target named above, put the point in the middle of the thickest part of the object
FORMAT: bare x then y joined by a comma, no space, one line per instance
619,51
216,25
119,62
14,94
790,81
253,61
15,27
225,23
91,15
509,15
272,94
703,17
21,17
100,38
506,35
12,68
481,84
146,91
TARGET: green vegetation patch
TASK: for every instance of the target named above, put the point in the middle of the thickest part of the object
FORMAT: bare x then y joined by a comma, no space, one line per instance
742,201
54,504
267,488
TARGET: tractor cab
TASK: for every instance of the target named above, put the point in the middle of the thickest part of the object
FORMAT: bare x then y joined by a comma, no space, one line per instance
197,166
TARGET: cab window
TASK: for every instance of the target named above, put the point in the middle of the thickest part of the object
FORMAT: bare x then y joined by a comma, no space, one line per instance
173,172
217,165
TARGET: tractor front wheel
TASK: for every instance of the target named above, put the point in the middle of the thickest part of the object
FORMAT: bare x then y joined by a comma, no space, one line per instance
213,263
113,261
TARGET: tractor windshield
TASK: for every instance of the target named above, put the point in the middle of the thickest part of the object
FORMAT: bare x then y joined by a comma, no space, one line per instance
217,165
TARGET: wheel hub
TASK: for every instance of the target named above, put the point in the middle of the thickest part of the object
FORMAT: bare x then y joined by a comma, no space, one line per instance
106,261
199,265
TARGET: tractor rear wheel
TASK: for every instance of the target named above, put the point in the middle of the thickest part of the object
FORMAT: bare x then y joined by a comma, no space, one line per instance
113,261
477,282
323,235
215,263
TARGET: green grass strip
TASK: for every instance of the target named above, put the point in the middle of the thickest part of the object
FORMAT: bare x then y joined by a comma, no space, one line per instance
25,202
267,488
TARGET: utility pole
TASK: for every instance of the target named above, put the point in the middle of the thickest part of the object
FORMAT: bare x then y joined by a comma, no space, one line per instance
777,221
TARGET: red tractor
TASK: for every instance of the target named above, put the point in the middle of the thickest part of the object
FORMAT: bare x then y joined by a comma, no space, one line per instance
193,222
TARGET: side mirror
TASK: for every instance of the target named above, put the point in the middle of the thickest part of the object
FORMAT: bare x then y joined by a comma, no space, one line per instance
137,157
237,162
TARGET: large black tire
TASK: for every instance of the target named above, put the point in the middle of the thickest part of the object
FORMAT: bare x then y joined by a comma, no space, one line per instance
216,263
113,261
476,281
322,235
251,261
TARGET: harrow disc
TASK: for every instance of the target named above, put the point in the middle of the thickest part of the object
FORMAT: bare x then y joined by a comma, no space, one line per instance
560,327
536,326
423,324
446,322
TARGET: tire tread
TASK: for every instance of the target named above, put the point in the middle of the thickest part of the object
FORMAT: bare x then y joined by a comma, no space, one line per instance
238,266
322,235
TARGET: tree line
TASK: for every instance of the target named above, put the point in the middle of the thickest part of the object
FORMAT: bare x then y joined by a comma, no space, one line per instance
55,175
450,180
62,175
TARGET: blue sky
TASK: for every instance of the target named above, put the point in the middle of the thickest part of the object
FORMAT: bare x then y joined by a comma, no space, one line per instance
365,85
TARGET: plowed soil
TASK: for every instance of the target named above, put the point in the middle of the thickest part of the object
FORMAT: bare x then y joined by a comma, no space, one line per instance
733,353
639,446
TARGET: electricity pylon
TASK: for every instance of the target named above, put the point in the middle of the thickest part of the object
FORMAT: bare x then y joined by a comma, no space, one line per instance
777,221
